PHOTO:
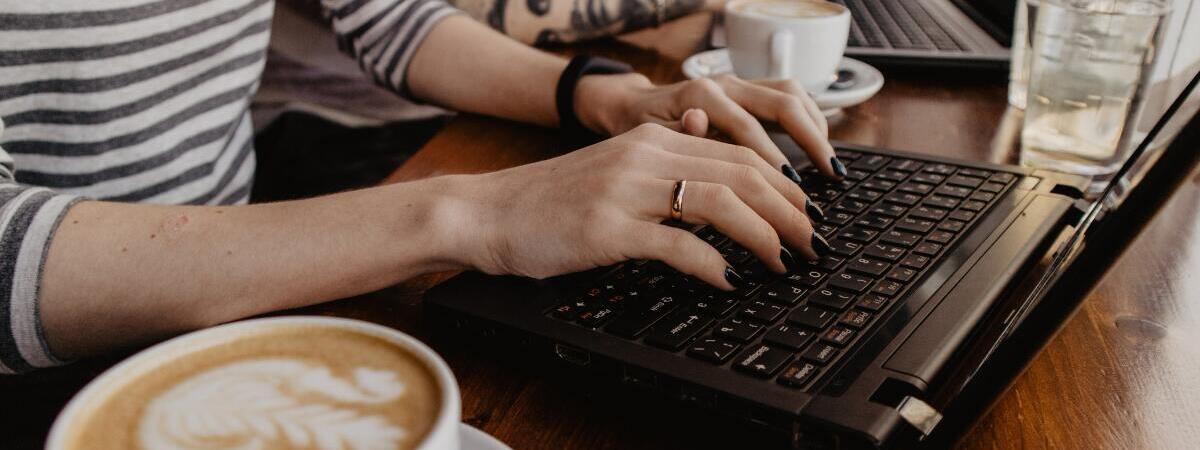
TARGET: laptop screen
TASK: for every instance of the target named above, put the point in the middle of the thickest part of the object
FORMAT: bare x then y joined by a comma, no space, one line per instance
994,16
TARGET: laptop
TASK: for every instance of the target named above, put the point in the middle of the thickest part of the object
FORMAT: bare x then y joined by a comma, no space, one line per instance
926,32
863,348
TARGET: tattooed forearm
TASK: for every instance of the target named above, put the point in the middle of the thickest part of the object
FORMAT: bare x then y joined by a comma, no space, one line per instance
554,21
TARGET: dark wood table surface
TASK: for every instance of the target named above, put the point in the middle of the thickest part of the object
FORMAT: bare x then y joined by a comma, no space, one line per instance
1123,372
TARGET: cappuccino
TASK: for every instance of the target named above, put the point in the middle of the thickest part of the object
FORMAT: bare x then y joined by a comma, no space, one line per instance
280,387
788,8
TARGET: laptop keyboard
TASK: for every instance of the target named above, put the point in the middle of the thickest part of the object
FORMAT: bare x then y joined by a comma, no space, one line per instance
888,222
899,24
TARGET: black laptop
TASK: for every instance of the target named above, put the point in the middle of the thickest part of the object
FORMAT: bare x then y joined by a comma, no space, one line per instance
860,349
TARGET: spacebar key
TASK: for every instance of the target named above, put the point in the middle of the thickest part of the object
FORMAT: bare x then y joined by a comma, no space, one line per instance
635,321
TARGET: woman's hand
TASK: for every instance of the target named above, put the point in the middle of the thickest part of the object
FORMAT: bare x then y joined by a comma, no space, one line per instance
613,104
603,204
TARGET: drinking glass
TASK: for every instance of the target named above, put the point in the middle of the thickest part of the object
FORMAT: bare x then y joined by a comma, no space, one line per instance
1018,73
1089,68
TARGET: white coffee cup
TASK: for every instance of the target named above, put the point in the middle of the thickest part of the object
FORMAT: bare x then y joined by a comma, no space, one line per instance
444,431
798,39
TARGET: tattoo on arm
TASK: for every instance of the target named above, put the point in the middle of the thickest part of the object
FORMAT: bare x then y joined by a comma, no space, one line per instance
562,21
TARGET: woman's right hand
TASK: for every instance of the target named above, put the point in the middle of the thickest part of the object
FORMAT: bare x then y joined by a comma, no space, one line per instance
605,203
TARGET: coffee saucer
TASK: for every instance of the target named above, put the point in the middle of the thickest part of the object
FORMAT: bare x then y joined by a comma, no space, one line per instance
862,80
471,438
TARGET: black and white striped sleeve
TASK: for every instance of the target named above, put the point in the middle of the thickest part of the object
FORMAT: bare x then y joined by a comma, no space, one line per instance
383,35
28,217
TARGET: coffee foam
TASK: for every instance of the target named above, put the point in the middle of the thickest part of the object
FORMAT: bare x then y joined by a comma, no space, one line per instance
296,387
788,8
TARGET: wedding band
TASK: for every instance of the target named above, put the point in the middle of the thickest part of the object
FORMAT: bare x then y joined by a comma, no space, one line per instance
677,200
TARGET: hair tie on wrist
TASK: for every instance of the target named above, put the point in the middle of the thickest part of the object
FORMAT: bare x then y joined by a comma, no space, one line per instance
564,93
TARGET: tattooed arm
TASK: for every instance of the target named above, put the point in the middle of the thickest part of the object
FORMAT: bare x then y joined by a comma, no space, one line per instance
542,22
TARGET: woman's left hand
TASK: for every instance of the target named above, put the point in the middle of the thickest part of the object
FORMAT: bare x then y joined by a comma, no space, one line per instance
613,104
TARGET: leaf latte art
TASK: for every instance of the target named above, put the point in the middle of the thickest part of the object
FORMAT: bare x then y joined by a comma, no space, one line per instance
274,403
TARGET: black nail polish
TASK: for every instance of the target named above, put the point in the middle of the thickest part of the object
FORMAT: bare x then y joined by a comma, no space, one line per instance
838,168
734,278
820,245
790,172
814,211
789,261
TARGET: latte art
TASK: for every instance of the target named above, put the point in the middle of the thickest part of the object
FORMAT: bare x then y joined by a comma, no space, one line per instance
272,402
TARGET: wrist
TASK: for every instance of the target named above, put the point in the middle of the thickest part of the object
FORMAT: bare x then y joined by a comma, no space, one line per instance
602,102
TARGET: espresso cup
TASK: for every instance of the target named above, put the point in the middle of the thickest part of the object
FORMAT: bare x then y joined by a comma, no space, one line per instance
798,39
276,383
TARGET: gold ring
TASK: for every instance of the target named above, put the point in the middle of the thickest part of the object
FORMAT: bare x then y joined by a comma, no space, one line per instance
677,200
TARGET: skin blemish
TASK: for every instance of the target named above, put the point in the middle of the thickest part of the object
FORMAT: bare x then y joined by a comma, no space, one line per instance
74,222
152,235
220,211
229,252
124,249
172,226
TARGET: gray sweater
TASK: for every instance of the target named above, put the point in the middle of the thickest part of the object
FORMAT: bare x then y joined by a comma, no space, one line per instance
143,101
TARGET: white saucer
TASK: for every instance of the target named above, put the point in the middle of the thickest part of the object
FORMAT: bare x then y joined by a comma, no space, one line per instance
471,438
867,80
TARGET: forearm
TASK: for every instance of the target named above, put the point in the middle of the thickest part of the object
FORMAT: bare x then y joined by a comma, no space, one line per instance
466,66
124,273
565,21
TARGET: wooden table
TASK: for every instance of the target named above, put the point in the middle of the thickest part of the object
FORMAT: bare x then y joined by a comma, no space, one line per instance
1123,372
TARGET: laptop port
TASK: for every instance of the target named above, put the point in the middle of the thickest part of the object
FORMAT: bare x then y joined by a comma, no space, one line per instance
572,355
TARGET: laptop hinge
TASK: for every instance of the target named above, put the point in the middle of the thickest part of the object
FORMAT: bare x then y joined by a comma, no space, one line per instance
919,414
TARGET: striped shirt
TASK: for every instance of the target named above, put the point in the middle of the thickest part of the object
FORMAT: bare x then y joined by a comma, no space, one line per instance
143,101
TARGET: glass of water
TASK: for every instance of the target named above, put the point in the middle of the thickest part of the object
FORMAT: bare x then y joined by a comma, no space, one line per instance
1089,67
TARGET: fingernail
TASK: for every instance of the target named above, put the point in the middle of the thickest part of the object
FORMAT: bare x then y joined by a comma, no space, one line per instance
790,172
814,211
789,261
733,278
820,245
838,168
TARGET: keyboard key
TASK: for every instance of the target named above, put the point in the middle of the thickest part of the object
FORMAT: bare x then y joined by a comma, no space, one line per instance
901,238
820,353
850,206
973,205
874,221
839,336
953,191
982,196
850,282
830,263
809,278
942,202
713,350
879,184
915,188
855,319
811,317
915,261
831,298
977,173
678,328
593,318
940,169
838,218
762,361
888,287
873,302
636,320
1002,177
864,195
739,330
844,247
849,155
789,336
962,215
965,181
892,175
928,248
953,226
715,306
857,175
884,251
867,266
870,163
905,165
902,274
928,178
570,310
711,236
915,225
902,198
992,187
761,311
889,210
783,293
940,236
798,374
858,234
928,212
